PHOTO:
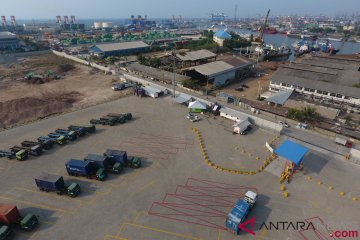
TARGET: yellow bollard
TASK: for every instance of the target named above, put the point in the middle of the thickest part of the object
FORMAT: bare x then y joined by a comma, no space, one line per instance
342,194
331,188
309,178
257,158
282,187
246,172
252,172
286,194
319,182
354,199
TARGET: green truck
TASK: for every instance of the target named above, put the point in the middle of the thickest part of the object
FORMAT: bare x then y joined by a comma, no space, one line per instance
10,216
88,128
5,232
54,183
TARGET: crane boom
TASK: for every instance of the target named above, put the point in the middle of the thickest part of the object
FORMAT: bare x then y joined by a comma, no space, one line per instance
264,26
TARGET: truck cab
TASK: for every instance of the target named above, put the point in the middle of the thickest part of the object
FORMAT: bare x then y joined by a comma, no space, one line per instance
29,222
101,174
5,232
80,131
73,190
21,155
134,162
70,135
58,138
251,198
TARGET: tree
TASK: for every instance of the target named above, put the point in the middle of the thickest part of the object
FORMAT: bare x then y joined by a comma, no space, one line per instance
307,115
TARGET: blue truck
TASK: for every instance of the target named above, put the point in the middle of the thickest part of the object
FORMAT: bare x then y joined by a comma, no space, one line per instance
99,161
85,168
122,158
53,183
240,211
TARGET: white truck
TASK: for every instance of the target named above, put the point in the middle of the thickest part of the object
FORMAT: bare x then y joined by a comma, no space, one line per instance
251,198
343,141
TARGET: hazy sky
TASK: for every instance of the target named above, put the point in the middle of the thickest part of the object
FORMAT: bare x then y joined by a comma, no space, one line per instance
34,9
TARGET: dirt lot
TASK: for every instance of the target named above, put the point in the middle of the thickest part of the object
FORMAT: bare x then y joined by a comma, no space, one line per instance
21,101
252,91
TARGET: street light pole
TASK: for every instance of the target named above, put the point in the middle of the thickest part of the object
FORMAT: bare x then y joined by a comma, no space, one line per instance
174,69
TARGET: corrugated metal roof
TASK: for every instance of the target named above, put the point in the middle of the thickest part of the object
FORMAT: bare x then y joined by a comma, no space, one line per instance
196,55
280,97
108,47
233,113
213,68
291,151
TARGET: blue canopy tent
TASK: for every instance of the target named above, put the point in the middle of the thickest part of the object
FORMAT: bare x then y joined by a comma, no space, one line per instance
292,152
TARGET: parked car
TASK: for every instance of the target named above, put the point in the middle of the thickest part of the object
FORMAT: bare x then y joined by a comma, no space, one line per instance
194,119
246,131
189,115
284,124
302,126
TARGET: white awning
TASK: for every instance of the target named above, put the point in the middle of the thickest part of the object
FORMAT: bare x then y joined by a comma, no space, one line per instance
197,105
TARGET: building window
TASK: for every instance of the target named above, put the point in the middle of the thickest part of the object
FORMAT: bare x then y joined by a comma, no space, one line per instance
307,89
332,94
311,90
346,97
325,93
300,88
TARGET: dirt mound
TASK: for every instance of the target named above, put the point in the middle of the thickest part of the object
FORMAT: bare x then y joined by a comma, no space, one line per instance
31,108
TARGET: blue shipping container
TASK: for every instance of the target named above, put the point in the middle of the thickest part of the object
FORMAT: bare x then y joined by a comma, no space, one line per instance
237,215
117,156
79,167
98,161
50,182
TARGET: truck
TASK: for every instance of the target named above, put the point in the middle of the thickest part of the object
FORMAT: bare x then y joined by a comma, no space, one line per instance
9,155
70,135
35,145
104,121
53,183
343,141
46,144
119,118
21,155
5,232
121,157
34,151
59,140
76,168
10,216
88,128
128,116
240,211
80,131
99,161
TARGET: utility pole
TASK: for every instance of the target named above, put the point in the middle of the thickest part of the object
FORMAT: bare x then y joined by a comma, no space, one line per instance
174,69
235,17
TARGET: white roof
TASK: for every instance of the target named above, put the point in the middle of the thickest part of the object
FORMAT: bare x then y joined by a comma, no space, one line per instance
242,125
250,194
197,105
233,113
151,89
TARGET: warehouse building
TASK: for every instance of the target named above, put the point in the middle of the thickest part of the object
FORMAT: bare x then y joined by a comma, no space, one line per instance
327,79
8,41
220,73
196,57
116,49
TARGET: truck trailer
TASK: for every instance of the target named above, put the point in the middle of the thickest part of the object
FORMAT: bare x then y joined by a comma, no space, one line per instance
48,144
53,183
69,135
126,116
76,167
121,157
80,131
34,151
9,155
343,141
88,128
99,161
240,211
61,140
10,216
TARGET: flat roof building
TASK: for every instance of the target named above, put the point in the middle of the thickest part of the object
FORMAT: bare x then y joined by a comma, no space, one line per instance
123,48
328,78
8,41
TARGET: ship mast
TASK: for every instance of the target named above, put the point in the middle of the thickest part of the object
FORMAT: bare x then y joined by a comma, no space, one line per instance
263,27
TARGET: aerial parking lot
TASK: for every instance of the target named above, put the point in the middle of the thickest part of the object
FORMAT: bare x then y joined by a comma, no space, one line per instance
175,195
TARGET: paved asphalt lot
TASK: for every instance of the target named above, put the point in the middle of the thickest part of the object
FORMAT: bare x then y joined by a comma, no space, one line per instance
175,195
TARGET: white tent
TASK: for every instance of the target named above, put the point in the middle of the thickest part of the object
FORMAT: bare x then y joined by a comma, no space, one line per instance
197,105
